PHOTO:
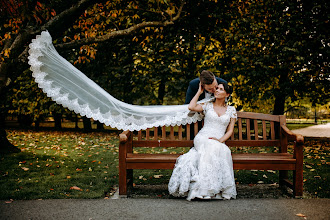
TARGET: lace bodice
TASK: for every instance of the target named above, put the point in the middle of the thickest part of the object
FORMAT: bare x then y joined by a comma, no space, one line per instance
214,125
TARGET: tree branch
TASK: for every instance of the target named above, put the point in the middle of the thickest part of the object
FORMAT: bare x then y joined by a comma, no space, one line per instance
119,33
65,19
55,25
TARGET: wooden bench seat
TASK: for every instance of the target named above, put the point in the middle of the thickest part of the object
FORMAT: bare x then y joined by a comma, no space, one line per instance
265,161
251,130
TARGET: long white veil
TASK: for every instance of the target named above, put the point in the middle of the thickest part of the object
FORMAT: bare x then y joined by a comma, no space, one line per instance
68,86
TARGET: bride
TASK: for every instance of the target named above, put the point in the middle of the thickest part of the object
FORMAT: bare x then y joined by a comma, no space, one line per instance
206,171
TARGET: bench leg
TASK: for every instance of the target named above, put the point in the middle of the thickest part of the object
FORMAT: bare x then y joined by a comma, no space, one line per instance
122,181
298,183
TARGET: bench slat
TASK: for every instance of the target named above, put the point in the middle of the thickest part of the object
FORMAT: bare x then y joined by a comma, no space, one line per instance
139,135
147,134
156,133
248,132
160,143
256,133
163,133
190,143
180,132
264,130
253,143
188,131
172,133
271,158
272,130
195,128
240,127
260,116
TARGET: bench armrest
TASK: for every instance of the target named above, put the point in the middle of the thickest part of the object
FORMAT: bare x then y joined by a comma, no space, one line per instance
292,136
123,137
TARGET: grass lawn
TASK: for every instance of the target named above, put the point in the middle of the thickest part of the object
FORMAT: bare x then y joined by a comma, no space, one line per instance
59,165
56,164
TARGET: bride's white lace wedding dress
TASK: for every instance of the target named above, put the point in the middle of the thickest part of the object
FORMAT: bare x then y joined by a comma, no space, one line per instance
206,171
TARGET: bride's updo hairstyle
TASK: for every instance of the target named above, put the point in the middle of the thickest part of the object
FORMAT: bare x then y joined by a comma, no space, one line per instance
228,88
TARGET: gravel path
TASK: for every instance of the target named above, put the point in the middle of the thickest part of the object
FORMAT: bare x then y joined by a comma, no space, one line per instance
315,131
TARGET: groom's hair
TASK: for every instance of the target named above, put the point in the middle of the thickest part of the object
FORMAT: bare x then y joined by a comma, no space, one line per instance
206,77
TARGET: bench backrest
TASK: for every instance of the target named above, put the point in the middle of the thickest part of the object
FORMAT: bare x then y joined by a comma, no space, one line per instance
251,129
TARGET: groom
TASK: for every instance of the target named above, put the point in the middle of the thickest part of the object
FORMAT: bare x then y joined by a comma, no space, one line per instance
208,81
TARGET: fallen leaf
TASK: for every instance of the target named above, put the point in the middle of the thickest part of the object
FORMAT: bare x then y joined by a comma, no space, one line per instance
300,215
75,188
271,171
158,176
25,168
10,201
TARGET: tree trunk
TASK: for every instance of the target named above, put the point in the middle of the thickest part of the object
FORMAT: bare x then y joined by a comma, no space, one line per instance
99,125
5,146
161,91
87,124
37,124
279,104
280,96
76,121
58,121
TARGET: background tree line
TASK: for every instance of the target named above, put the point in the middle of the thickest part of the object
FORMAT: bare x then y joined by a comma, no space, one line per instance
145,52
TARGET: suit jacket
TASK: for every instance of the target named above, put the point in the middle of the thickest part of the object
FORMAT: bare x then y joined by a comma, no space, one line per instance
193,88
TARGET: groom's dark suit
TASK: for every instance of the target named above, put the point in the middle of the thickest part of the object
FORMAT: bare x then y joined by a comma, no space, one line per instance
193,88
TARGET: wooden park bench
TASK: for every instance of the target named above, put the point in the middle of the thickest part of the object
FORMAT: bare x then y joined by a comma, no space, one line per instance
251,130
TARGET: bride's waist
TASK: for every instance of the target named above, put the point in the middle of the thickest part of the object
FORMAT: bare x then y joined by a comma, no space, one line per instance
205,133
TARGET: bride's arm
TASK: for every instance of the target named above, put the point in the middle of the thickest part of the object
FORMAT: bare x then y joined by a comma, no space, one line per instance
230,130
193,106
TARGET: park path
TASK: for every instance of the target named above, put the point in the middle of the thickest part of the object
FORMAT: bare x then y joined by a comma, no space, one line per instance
322,130
159,209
